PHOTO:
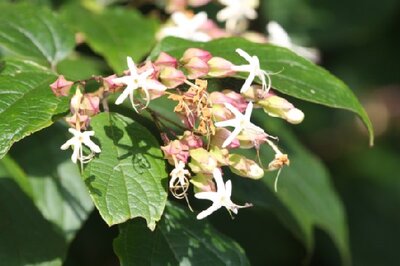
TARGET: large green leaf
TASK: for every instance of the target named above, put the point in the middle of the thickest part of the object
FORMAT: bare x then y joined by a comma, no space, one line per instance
114,33
294,75
128,178
27,103
34,32
56,184
179,239
26,237
305,199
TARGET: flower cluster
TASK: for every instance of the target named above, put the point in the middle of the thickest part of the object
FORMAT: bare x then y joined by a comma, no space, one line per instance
213,125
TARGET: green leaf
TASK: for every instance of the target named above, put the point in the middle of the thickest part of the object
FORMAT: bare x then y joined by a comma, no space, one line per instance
179,239
33,32
292,74
79,67
128,178
56,184
114,33
27,104
306,197
26,237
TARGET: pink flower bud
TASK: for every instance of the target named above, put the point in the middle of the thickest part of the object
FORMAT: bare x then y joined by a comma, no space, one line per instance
61,86
109,85
78,121
172,77
90,104
165,60
220,113
176,5
212,30
220,67
176,149
196,68
195,52
147,66
191,140
202,161
228,96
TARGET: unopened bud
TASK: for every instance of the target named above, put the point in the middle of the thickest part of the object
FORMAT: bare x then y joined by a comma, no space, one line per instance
277,106
191,140
78,121
231,97
203,183
202,161
196,68
110,85
76,101
196,3
165,60
242,166
175,150
220,67
190,53
172,77
61,86
90,104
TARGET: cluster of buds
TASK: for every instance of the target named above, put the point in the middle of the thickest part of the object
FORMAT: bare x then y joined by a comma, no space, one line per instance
216,125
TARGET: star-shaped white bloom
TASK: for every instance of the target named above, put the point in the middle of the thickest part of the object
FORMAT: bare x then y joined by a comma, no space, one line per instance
186,27
220,198
135,81
179,175
236,13
241,122
254,71
278,36
76,142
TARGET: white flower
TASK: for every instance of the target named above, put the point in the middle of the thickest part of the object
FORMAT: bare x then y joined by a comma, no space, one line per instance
254,71
236,13
240,123
220,198
278,36
135,81
76,142
186,27
178,175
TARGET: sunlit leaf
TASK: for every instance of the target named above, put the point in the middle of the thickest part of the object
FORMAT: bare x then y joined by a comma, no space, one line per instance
27,103
128,178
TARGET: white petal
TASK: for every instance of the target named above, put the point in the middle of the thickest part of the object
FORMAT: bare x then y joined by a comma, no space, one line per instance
226,123
67,144
248,82
123,96
233,110
228,189
231,137
75,154
213,196
248,111
218,179
208,211
92,146
131,66
244,55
